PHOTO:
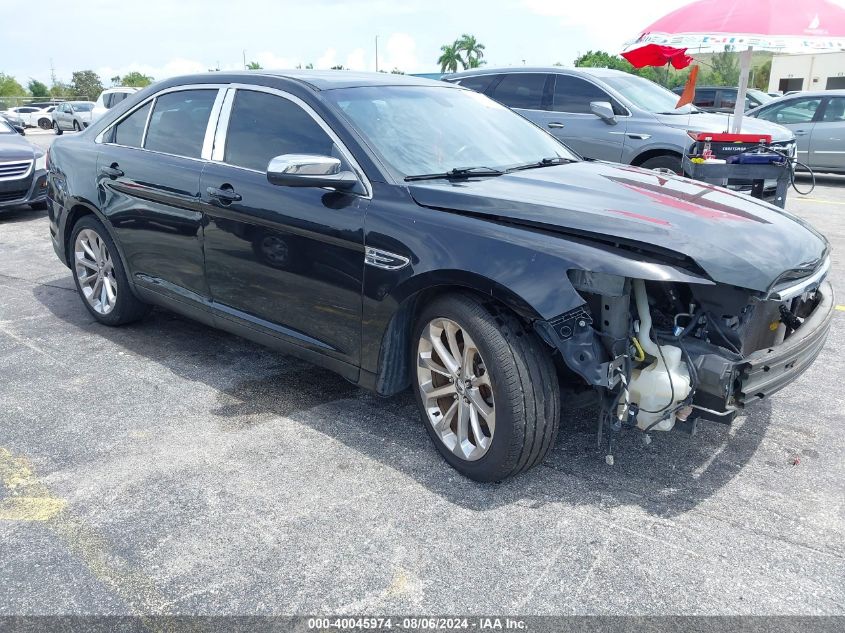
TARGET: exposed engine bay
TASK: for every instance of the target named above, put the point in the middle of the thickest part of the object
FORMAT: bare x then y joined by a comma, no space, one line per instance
663,355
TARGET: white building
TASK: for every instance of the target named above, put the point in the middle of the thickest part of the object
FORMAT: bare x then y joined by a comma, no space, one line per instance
819,71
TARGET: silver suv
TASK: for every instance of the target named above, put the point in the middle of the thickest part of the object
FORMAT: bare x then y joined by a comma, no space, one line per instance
609,114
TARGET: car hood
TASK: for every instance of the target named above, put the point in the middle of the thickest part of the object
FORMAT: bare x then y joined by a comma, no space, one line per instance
721,122
734,239
15,147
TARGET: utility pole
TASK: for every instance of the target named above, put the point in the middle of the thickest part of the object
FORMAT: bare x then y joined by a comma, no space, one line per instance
244,52
376,53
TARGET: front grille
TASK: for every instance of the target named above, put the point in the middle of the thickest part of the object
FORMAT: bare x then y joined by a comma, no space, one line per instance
8,196
13,170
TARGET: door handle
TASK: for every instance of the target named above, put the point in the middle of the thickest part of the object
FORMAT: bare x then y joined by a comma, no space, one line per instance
111,171
225,194
555,125
800,132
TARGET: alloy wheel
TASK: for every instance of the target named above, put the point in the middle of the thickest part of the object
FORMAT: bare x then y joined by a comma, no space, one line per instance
94,269
456,390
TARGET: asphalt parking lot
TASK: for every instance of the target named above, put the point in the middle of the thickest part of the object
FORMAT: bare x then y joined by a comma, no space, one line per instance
168,468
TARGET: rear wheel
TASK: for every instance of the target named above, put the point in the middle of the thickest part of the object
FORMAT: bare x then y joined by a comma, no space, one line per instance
666,162
486,387
100,275
44,124
56,128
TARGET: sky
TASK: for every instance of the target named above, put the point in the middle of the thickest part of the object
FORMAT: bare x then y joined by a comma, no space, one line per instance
163,38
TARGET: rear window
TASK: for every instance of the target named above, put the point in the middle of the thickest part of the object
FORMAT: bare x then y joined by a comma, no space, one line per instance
521,90
479,84
178,122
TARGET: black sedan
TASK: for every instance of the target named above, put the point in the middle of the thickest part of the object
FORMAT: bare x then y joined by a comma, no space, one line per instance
23,173
406,232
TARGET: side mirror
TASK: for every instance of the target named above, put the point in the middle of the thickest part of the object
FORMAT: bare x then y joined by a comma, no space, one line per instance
307,170
604,111
20,130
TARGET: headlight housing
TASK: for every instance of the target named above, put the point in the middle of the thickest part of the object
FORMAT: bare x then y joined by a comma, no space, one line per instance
41,162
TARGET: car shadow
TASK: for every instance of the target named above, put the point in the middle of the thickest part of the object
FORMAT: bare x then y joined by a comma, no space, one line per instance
255,385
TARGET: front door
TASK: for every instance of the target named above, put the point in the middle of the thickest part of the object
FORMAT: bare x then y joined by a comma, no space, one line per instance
149,189
827,144
798,115
286,260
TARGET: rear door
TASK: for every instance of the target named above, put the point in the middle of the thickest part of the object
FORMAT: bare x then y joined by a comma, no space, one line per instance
827,143
149,175
288,261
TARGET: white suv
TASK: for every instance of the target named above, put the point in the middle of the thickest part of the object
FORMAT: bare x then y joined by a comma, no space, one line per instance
109,98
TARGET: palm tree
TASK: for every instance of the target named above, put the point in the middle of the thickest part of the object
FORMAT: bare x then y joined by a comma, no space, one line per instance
450,58
473,48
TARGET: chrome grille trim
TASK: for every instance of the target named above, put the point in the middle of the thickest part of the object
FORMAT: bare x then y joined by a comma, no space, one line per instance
15,169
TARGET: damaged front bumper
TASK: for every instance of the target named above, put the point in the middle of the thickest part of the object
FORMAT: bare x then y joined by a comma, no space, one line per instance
728,385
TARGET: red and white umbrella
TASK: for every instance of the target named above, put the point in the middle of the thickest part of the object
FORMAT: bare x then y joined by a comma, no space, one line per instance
785,26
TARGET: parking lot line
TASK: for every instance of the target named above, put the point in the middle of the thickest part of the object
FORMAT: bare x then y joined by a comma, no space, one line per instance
29,499
819,201
840,308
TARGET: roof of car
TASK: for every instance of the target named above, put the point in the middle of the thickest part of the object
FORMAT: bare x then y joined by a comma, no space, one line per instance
815,93
322,79
596,72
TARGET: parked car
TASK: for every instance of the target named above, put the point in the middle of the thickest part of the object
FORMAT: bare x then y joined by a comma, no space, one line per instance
25,113
13,117
72,115
23,172
109,98
14,123
609,114
818,121
44,117
407,232
723,99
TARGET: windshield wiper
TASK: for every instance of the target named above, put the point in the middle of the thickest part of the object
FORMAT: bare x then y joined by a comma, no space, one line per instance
458,172
543,162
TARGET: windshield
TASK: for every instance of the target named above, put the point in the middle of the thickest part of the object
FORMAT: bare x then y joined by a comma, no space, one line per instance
760,96
82,107
647,95
429,130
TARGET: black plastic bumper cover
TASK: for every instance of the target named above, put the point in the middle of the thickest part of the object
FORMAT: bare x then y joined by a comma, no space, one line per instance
770,369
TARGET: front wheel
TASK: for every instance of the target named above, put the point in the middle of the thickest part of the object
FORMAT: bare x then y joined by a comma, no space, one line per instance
486,387
665,163
56,128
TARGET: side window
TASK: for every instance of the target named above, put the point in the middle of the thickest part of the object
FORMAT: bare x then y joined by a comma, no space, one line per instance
793,111
521,90
263,126
178,122
574,95
835,111
130,131
728,98
107,100
479,84
117,97
705,98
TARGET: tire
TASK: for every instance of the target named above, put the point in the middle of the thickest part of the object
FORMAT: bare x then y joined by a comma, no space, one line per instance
76,127
522,399
665,162
44,124
57,129
125,307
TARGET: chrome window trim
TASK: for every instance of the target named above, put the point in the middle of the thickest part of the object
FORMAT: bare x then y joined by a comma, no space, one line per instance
180,88
223,129
210,129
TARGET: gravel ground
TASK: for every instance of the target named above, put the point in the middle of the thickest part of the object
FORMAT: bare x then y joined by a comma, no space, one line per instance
166,467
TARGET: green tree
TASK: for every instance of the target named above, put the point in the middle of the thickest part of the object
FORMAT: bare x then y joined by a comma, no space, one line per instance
38,89
338,67
115,81
450,58
762,74
254,66
473,49
724,68
61,90
396,71
601,59
86,83
9,86
136,79
309,66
